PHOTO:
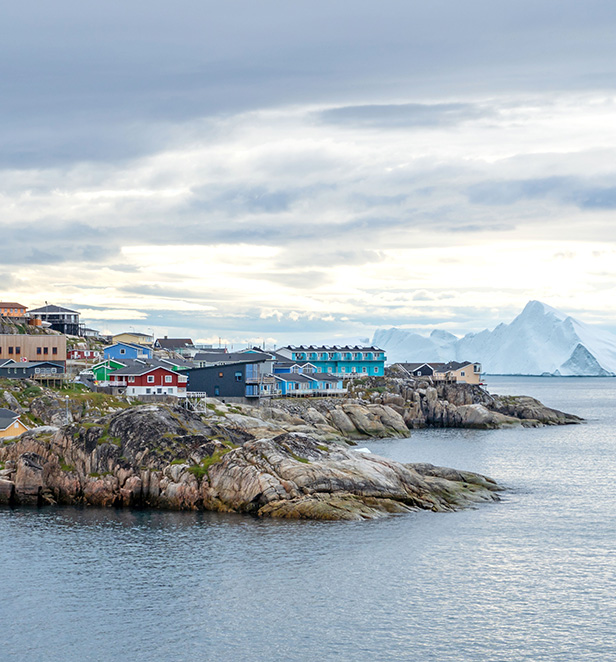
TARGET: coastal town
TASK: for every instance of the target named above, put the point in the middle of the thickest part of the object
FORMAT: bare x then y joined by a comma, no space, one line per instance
51,345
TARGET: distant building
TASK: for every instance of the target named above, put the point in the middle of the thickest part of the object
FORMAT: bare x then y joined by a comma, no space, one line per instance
60,319
346,361
179,345
240,380
12,309
21,347
464,372
10,425
29,370
125,350
143,379
77,354
133,338
309,383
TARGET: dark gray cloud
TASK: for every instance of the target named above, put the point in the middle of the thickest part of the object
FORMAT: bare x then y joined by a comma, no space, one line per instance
104,81
406,115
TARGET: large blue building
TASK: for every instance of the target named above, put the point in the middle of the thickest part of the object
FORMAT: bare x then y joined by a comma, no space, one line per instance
124,350
345,361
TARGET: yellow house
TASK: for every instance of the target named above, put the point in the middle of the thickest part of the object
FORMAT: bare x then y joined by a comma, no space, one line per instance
464,372
134,338
10,425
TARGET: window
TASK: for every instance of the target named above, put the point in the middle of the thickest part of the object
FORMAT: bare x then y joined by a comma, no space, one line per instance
148,391
150,379
168,379
131,380
477,367
10,350
37,370
45,350
53,370
216,390
17,350
364,369
375,370
54,350
343,369
463,373
39,350
159,390
238,376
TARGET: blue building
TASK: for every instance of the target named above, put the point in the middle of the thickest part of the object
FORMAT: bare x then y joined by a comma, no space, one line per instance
124,350
345,361
309,383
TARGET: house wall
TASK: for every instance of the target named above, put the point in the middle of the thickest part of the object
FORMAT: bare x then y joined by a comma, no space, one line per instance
33,348
132,338
19,371
12,311
140,385
219,381
123,351
341,362
468,375
14,430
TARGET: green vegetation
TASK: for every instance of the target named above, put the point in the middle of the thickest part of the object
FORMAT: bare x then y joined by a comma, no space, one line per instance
95,474
66,467
322,447
202,469
179,460
32,391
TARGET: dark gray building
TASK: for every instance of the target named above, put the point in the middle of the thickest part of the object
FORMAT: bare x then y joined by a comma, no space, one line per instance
29,369
240,380
61,319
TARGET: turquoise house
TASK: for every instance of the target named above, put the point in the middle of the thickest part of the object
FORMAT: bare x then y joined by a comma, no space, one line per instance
344,361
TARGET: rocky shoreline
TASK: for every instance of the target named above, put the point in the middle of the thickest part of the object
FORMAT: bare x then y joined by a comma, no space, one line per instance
291,459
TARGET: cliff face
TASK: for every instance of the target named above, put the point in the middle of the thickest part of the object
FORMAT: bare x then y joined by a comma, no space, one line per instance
165,457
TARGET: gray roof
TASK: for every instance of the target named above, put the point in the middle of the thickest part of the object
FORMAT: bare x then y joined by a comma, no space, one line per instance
232,357
7,417
29,364
173,343
139,368
53,309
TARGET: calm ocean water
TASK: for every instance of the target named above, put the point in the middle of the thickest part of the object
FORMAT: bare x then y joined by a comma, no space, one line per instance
530,578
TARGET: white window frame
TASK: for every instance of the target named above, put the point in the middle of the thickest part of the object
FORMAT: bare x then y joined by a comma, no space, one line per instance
150,379
168,379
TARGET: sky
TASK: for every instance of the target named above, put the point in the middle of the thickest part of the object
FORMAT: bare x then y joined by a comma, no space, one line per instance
284,172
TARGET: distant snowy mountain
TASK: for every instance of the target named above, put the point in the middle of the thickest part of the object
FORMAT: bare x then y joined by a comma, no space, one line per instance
540,340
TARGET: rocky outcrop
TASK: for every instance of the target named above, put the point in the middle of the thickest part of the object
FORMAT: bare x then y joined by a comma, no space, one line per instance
530,410
294,476
166,457
424,403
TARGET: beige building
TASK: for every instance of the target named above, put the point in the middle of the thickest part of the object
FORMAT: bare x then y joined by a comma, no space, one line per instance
134,338
463,372
10,425
21,347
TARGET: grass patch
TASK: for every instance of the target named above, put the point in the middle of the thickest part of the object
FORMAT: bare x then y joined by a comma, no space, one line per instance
299,459
322,447
66,467
32,391
179,461
202,469
95,474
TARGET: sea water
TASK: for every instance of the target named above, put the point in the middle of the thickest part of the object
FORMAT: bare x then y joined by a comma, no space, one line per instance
532,577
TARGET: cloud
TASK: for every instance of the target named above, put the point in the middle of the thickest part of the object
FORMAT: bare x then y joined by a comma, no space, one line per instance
407,115
565,190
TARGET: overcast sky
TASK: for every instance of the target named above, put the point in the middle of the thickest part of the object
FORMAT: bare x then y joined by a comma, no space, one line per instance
304,171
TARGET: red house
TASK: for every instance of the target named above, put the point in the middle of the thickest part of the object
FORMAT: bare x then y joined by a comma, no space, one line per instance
149,380
83,354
